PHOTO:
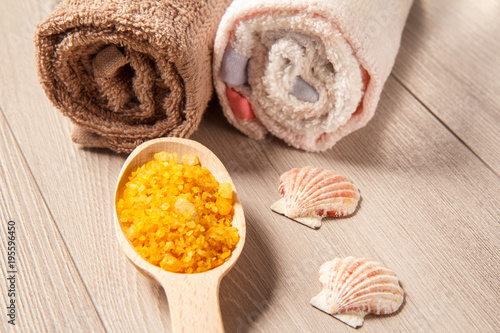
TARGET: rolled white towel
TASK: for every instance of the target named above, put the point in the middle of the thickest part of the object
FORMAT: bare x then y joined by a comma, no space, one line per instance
308,71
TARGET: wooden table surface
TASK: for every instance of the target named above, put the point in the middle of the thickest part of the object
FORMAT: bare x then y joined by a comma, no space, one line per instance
427,166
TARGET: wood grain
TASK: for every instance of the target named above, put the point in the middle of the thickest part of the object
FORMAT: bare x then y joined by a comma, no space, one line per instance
449,61
429,211
76,184
45,279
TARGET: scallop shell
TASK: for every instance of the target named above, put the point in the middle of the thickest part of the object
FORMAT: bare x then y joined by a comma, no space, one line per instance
355,287
309,194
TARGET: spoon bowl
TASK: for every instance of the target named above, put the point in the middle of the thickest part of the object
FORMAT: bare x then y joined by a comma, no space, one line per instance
193,298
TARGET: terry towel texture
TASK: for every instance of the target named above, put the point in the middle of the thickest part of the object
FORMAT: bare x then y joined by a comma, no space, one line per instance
128,71
308,71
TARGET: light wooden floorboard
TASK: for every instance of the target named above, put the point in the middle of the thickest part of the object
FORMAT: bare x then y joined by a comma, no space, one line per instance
77,185
449,61
429,211
48,292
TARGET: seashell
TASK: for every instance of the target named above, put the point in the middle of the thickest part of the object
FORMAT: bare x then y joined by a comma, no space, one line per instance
355,287
309,194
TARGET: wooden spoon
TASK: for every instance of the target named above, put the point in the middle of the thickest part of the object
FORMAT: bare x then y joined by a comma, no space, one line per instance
193,298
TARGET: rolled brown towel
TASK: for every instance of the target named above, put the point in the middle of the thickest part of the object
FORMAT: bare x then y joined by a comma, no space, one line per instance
128,71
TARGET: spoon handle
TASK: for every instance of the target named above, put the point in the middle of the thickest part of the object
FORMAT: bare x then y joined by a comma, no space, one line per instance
194,303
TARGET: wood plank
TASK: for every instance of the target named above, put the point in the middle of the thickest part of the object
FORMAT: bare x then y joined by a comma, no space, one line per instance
45,282
449,61
429,211
76,184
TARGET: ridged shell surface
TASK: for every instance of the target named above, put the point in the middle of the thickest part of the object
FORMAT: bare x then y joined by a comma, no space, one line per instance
355,287
317,192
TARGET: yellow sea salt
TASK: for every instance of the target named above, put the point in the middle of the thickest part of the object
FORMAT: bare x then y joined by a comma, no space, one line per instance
177,215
